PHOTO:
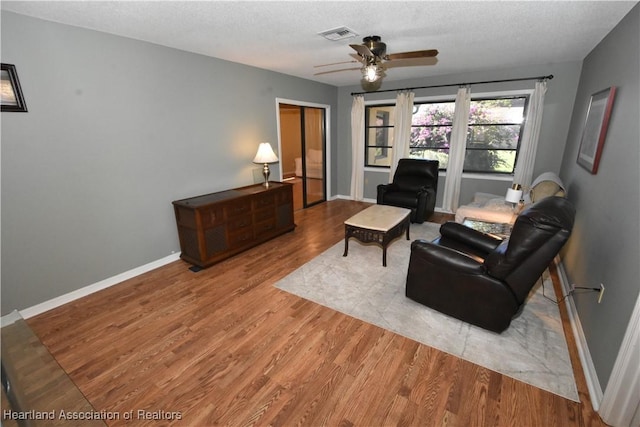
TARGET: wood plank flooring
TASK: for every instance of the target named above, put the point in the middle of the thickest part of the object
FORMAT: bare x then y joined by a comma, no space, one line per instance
225,347
36,381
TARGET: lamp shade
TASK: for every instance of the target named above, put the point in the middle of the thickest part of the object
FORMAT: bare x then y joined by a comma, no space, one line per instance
265,154
513,195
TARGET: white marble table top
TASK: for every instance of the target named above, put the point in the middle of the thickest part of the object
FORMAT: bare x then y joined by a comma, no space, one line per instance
378,217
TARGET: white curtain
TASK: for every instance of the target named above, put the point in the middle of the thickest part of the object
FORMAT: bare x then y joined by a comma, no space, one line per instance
458,146
401,129
523,172
357,148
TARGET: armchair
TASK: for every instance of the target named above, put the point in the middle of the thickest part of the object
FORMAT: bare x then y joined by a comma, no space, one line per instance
414,187
481,279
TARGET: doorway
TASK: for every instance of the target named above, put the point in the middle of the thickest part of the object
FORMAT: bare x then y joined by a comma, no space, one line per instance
303,157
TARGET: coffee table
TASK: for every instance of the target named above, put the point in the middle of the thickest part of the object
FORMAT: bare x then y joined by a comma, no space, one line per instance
379,224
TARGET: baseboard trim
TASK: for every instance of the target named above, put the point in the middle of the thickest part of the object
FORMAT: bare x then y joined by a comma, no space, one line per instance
619,407
103,284
591,377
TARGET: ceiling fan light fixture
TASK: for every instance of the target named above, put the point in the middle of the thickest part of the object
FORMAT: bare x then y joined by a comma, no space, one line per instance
372,53
371,72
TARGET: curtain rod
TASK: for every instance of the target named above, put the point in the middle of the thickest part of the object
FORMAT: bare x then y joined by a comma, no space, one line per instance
549,77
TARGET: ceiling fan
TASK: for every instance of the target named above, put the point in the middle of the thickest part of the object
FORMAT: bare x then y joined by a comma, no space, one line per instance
372,53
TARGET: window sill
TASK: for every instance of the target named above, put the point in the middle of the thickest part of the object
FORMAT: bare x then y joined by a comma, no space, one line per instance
486,176
465,175
376,169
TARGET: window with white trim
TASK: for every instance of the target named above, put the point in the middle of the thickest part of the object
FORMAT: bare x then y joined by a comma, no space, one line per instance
495,130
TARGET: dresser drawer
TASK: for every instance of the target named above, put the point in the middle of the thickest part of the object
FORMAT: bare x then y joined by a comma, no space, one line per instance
239,222
264,201
264,214
264,227
233,209
240,237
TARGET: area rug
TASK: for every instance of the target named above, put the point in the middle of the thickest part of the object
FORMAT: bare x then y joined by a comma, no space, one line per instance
532,350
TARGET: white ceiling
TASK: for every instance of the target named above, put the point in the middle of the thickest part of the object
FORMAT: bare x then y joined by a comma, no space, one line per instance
283,35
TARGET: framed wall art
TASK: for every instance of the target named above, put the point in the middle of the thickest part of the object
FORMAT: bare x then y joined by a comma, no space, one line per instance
11,93
595,129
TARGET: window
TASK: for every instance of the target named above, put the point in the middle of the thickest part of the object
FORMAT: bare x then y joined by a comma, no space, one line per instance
379,135
493,138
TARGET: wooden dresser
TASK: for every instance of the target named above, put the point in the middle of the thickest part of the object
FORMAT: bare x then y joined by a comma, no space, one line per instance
215,226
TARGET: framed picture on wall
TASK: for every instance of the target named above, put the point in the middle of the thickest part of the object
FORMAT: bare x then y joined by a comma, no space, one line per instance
11,93
595,129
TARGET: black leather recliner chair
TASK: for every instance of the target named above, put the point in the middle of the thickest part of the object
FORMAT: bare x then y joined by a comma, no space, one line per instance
484,280
414,187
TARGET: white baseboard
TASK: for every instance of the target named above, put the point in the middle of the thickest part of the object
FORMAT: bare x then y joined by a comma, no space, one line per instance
593,384
620,404
103,284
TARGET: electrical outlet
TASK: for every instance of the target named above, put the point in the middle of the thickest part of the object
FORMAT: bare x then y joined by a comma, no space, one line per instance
601,293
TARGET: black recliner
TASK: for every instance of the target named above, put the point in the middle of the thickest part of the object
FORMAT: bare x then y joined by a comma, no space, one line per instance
484,280
414,187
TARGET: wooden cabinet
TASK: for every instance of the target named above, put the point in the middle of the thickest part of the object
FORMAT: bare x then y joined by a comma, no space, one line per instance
215,226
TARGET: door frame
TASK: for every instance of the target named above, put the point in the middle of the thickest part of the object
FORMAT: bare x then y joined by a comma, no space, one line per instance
327,137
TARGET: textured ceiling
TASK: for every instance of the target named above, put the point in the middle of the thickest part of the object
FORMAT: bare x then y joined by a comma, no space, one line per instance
283,36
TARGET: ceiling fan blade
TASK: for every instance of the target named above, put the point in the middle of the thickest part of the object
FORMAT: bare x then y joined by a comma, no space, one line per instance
415,54
362,50
335,71
335,63
416,62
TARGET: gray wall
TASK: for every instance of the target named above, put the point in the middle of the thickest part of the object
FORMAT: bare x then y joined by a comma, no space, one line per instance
604,247
116,130
555,124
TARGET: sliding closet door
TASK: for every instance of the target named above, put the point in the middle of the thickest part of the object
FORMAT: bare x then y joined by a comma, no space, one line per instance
303,158
313,143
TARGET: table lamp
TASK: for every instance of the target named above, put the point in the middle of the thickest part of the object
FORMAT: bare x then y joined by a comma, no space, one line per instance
265,155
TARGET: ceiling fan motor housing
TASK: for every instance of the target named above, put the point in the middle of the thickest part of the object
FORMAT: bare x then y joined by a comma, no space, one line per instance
375,45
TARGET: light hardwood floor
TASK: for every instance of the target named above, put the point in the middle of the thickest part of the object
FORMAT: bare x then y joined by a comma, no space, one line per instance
225,347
